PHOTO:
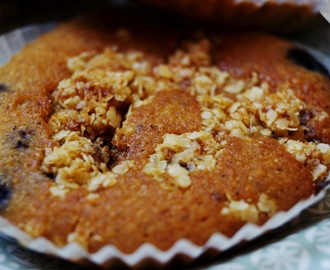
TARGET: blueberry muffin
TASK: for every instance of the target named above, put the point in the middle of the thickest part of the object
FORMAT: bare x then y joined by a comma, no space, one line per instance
271,15
120,129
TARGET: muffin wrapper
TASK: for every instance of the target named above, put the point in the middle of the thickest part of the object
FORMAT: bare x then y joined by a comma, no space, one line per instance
280,16
315,5
14,41
325,9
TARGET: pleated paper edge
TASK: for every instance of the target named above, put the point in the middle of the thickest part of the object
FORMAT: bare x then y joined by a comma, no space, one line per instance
217,241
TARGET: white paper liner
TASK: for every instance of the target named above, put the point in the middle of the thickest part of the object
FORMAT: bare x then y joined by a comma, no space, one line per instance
13,42
325,9
217,241
314,4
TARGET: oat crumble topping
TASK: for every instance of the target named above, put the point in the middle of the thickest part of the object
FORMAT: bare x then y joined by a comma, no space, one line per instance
91,104
179,155
247,211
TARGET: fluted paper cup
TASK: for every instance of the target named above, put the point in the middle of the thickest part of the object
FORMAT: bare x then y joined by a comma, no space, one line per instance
278,15
325,10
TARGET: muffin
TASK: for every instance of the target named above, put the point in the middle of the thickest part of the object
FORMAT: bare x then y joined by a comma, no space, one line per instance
118,131
277,16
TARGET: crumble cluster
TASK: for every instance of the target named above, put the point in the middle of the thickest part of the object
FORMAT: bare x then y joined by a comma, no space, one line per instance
104,88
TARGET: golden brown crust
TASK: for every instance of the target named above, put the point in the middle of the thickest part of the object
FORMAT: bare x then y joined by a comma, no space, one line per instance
255,172
153,121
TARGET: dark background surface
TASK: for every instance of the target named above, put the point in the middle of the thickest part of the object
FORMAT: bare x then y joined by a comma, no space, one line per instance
18,13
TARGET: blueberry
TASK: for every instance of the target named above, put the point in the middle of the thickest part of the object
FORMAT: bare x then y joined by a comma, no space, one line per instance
3,87
302,58
21,137
321,185
4,196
